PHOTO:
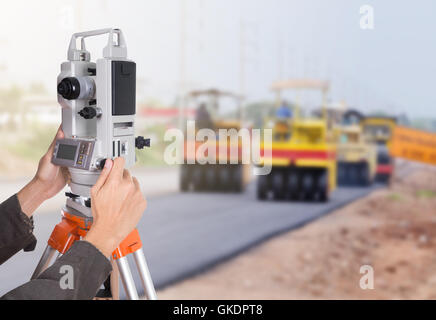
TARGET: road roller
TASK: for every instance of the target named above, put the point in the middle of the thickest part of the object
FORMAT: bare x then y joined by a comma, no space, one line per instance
356,158
215,110
378,130
302,151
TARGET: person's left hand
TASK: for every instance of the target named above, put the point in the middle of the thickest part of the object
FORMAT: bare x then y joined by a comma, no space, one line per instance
51,178
48,181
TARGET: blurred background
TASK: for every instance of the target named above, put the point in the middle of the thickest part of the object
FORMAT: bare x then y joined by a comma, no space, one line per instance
243,48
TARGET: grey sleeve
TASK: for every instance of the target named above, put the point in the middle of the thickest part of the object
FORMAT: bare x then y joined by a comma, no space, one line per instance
16,229
78,274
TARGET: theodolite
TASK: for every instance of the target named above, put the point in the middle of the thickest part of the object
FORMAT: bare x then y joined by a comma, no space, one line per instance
98,101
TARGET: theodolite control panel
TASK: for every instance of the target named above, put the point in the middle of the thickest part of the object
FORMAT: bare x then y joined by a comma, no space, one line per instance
73,153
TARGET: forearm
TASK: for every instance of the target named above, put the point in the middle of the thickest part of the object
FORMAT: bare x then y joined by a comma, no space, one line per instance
31,197
78,274
17,229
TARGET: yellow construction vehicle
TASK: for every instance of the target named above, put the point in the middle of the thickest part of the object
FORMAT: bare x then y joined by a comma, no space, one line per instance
215,110
303,151
378,130
356,158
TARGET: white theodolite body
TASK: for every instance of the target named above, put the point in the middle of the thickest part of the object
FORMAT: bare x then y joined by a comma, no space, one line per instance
98,111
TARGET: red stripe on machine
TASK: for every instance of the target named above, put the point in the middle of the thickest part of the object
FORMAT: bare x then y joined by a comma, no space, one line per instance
301,154
384,168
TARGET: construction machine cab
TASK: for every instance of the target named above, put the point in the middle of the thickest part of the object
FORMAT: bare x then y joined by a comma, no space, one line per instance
218,109
350,134
378,129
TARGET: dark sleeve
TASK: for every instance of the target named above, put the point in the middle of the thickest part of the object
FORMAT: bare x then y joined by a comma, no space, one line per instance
78,274
16,229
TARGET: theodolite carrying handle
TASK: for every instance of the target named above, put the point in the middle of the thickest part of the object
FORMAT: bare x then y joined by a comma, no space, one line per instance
113,49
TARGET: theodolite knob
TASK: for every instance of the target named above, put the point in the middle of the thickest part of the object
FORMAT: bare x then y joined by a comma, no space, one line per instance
88,113
141,142
100,164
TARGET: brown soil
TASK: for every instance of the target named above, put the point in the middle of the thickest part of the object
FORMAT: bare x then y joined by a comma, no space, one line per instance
393,230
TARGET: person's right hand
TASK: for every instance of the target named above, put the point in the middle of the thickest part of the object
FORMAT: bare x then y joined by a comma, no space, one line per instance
117,205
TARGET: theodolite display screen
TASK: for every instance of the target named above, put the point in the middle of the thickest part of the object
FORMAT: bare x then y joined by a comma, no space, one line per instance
66,151
73,153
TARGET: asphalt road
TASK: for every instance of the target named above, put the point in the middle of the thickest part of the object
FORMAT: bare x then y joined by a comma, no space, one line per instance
184,234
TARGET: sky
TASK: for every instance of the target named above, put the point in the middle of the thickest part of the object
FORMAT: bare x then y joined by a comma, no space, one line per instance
391,67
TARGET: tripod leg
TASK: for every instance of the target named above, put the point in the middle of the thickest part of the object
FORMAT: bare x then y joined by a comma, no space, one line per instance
43,262
144,273
127,279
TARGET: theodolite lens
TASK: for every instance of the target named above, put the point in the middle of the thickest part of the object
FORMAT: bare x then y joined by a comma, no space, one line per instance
72,88
69,88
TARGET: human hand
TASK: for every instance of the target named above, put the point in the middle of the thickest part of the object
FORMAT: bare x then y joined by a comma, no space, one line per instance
117,205
52,178
47,182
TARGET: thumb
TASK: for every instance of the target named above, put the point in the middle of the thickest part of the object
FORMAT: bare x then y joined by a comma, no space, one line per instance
103,175
59,135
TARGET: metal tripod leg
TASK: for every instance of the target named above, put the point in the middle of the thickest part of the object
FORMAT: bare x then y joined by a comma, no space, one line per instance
144,273
44,262
127,279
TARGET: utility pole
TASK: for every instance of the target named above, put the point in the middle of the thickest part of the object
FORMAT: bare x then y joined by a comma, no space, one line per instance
244,42
242,58
182,63
280,58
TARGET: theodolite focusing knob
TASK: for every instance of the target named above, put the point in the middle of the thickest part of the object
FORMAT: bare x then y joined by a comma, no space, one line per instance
141,142
100,163
88,113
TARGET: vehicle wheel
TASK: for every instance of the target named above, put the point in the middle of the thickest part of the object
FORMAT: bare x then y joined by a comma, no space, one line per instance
185,177
262,187
237,178
322,186
198,177
210,177
292,185
224,177
308,185
278,184
364,175
324,195
342,174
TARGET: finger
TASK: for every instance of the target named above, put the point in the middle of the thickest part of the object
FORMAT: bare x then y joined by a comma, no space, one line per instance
66,173
103,175
59,135
138,189
127,176
136,183
117,170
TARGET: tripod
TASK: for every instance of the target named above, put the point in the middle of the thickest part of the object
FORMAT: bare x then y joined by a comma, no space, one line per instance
75,226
